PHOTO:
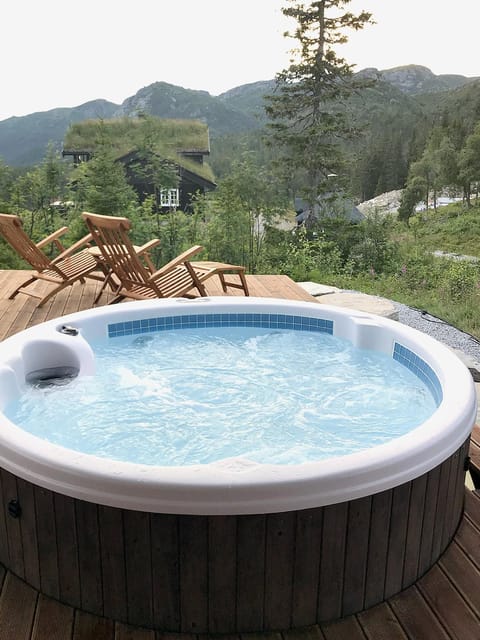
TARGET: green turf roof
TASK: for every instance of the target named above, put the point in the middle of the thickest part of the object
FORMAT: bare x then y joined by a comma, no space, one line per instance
170,138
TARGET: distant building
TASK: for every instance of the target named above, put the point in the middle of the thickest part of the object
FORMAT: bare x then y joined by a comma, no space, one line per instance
326,206
179,145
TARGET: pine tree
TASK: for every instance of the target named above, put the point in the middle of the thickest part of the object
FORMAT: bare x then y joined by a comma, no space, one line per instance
469,162
308,117
101,184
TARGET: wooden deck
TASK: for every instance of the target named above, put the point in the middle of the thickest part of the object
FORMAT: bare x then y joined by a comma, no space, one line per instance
443,604
23,312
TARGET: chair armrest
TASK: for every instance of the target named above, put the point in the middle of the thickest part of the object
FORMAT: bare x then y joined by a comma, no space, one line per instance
148,246
83,242
144,252
183,257
53,237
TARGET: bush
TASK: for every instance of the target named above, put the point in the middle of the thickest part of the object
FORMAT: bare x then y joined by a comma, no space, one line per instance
310,259
461,279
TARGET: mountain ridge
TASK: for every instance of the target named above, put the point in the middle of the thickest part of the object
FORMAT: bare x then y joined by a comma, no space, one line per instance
24,139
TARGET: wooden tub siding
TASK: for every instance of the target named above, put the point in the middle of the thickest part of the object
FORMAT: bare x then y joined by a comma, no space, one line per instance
68,559
89,558
251,531
112,544
26,497
165,571
397,538
356,555
222,584
377,548
137,554
330,587
230,574
307,566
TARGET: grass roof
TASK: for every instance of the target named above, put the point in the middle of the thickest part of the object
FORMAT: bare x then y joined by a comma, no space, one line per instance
166,137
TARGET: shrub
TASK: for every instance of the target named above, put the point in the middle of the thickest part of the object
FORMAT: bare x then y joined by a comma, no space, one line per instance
461,279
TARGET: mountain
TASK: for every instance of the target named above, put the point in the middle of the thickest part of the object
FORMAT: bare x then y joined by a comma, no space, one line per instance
414,79
169,101
249,98
23,140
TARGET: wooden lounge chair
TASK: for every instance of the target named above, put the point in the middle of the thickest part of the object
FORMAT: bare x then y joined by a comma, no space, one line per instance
72,264
180,277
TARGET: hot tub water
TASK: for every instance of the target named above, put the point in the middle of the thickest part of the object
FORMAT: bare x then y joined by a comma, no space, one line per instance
199,396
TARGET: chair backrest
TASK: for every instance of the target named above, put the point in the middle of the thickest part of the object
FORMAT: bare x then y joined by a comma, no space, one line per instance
110,233
12,230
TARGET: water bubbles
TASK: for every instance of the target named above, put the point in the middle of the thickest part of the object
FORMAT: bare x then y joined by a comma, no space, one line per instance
186,397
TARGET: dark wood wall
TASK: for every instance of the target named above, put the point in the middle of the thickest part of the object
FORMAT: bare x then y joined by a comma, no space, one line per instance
229,573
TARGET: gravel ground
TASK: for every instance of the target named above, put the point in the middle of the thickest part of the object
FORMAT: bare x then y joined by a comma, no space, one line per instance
441,330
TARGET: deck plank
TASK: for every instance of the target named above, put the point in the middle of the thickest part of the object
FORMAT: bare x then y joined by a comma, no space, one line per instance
464,575
17,609
127,632
348,628
468,539
472,507
380,623
474,454
90,627
53,620
305,633
452,611
423,625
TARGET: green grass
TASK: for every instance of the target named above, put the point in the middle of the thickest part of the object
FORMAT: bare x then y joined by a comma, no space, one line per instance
446,289
453,228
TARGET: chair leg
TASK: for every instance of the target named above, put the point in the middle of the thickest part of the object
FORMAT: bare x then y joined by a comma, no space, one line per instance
52,293
243,282
222,280
107,281
17,290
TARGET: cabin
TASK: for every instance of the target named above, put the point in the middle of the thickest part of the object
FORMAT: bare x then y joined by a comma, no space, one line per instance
175,148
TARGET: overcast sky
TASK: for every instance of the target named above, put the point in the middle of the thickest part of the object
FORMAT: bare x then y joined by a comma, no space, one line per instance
60,53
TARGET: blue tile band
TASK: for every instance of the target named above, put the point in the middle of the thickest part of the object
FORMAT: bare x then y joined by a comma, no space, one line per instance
420,368
262,320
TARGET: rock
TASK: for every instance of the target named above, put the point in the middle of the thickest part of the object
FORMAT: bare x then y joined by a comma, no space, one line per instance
384,204
315,289
351,299
362,302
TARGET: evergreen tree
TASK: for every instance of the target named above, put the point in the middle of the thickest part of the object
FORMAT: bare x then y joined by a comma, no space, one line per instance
243,206
469,163
411,196
308,118
153,171
35,191
6,184
448,163
101,184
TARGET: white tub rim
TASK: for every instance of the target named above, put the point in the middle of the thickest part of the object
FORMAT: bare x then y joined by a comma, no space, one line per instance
234,486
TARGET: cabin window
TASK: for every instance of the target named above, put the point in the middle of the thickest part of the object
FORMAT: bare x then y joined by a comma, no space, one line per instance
169,198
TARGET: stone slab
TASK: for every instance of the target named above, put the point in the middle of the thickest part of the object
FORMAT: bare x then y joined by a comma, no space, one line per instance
315,289
362,302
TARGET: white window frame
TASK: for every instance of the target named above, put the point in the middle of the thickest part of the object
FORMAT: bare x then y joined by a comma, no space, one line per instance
169,198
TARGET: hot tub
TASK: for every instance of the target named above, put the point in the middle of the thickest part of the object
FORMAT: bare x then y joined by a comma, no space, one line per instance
230,546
